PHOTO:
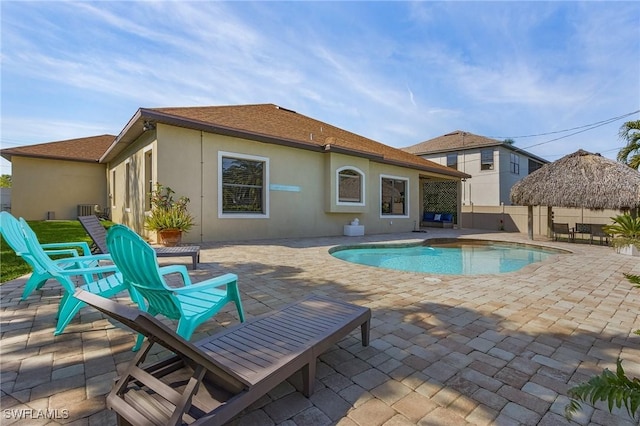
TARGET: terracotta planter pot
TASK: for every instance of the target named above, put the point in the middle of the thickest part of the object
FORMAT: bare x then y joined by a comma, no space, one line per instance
170,237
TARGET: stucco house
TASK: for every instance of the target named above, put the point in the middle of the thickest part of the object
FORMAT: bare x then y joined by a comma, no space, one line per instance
50,180
255,171
495,166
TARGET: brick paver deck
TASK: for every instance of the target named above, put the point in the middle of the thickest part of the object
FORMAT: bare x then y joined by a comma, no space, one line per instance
445,350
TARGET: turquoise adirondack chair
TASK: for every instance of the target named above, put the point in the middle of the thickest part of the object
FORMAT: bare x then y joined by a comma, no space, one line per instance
191,304
12,233
103,280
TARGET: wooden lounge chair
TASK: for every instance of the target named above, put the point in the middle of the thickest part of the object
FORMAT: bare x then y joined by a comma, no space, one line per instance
563,229
211,381
98,234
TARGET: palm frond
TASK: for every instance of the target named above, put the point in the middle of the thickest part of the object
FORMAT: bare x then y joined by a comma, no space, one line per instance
633,279
616,389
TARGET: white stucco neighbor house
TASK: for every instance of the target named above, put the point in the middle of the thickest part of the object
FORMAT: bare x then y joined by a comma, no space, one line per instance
495,166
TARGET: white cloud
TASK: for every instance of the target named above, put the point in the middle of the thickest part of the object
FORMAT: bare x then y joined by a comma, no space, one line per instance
400,73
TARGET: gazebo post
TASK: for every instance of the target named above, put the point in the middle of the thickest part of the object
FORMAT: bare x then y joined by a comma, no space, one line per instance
549,221
530,221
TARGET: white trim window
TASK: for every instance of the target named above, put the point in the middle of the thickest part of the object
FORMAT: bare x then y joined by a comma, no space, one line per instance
350,181
113,189
486,159
243,186
148,178
452,160
515,164
394,200
127,185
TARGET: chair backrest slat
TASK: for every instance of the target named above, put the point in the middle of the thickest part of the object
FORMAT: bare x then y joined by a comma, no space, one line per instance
96,231
138,263
43,263
12,233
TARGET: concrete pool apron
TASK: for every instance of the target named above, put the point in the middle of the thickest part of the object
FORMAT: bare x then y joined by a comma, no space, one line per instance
492,349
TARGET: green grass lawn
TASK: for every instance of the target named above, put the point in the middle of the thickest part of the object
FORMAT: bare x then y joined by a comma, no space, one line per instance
56,231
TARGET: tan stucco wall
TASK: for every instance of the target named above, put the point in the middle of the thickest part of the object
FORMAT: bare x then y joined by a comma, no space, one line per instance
131,213
515,218
302,186
40,186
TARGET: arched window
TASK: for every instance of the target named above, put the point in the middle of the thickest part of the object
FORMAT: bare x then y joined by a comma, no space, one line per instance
350,186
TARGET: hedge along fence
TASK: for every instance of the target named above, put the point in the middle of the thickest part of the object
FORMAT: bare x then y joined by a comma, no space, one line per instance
514,218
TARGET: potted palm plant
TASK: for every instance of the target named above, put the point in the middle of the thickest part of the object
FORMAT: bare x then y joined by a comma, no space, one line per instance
168,217
626,234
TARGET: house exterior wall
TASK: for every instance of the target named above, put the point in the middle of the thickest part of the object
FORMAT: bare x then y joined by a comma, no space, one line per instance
301,187
40,186
486,187
507,177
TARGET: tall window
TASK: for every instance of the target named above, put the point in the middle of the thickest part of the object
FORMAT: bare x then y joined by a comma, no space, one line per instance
452,161
394,199
515,164
148,179
113,188
243,184
127,185
350,186
486,159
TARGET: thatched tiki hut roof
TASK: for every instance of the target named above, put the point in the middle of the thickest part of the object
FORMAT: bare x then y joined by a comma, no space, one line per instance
581,179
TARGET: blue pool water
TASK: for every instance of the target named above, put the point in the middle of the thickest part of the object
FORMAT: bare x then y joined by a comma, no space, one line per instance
456,257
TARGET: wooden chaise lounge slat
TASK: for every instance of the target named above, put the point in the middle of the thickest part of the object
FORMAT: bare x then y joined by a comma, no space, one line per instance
98,234
210,381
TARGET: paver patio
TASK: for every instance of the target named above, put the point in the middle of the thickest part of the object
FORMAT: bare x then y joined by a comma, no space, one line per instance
445,350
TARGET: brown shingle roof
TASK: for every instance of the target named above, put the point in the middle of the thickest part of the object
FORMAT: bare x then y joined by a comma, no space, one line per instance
273,124
453,141
88,149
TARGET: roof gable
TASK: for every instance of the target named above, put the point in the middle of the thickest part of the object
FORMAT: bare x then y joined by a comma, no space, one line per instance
88,149
462,141
454,141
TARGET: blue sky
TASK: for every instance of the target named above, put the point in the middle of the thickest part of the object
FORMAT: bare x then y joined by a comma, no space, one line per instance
396,72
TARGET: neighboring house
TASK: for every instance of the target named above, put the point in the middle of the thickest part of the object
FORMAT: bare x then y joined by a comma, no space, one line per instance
495,166
261,171
50,180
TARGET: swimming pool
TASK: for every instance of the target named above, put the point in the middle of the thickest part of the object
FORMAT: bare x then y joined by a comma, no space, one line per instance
447,256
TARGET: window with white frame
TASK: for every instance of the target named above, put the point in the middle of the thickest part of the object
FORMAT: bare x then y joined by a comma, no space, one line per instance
243,185
113,188
127,185
393,196
515,164
350,186
148,179
452,161
486,159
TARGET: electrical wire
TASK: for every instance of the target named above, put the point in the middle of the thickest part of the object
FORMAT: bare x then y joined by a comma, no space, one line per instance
594,125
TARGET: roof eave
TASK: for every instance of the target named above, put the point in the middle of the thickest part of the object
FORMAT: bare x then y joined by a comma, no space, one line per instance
136,124
9,156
